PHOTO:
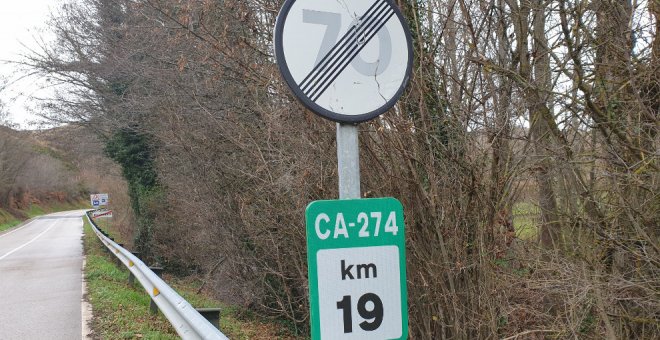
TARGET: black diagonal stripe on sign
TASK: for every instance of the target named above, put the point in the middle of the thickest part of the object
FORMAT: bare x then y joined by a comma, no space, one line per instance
340,64
345,42
337,63
343,45
354,52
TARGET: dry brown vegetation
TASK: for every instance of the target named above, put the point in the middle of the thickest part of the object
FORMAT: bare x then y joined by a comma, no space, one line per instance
547,110
91,170
33,172
57,168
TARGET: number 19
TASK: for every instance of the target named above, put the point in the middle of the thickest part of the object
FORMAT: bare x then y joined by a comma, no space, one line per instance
376,312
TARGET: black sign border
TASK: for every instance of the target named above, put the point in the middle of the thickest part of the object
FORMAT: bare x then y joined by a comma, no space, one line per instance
334,116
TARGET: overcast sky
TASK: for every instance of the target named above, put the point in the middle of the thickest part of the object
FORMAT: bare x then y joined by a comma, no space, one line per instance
21,22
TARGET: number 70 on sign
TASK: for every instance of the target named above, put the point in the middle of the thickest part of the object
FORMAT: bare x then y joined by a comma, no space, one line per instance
348,60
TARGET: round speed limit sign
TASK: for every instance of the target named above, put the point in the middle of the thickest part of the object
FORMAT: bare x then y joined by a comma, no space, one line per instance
348,61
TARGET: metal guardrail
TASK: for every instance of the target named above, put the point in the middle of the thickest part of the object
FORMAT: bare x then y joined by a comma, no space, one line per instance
187,322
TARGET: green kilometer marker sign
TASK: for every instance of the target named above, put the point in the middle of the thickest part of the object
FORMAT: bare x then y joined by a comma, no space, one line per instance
357,269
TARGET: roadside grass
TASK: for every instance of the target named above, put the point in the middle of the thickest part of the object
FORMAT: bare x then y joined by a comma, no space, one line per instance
121,310
37,210
9,225
8,221
236,323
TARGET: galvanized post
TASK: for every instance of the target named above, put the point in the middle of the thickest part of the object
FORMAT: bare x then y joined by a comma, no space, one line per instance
131,277
348,161
117,259
153,307
212,315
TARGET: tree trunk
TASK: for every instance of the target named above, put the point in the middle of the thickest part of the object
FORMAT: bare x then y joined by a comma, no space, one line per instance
535,70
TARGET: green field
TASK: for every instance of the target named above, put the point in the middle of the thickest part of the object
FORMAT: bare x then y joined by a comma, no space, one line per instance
525,220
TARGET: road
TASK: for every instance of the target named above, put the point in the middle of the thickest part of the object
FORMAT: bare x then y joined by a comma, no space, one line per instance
41,279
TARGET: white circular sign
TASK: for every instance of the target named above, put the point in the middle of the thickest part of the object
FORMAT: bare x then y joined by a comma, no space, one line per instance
348,61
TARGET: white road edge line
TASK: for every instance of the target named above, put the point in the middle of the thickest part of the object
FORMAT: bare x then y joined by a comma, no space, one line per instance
86,307
17,229
28,242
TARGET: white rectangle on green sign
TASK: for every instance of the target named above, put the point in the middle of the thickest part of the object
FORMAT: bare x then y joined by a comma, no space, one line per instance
339,271
357,269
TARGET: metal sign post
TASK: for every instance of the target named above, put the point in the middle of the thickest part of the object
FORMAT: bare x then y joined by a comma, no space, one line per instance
349,61
348,161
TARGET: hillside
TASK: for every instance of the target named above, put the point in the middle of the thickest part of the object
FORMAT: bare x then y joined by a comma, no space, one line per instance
82,150
54,169
34,178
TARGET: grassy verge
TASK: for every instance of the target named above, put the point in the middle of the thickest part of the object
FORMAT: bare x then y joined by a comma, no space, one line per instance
9,225
8,221
42,209
236,323
121,311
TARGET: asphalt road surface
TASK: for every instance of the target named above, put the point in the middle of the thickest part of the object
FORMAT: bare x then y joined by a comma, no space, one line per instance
41,279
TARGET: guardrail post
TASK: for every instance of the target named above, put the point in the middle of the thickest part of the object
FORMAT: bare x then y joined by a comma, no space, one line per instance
152,305
110,238
212,315
117,259
187,321
131,277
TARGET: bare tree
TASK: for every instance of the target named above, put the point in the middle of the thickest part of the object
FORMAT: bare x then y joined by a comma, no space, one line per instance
502,92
